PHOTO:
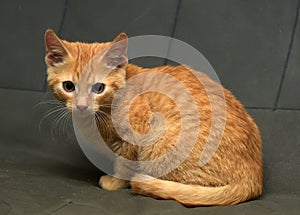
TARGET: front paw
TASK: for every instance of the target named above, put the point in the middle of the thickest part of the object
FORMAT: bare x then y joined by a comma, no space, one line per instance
108,182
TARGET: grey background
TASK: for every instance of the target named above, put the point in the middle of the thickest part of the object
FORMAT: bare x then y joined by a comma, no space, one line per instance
254,47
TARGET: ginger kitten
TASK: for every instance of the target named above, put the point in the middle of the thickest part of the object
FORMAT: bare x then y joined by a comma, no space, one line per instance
232,175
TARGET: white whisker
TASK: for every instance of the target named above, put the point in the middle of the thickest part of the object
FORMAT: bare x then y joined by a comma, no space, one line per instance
103,120
61,117
107,105
58,124
51,102
49,113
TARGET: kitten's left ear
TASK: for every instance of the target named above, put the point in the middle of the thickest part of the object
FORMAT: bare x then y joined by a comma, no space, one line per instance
56,52
116,54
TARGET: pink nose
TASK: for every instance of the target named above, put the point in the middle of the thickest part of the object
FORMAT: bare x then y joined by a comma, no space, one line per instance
81,107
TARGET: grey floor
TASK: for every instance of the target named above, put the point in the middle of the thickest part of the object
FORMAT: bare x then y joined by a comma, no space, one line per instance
254,47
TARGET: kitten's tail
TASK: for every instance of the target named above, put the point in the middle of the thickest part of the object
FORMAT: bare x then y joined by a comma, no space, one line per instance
195,195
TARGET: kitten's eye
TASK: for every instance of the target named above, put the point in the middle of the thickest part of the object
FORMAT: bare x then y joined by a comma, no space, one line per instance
68,86
98,88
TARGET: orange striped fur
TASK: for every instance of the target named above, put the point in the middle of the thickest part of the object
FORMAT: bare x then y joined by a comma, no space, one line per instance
233,175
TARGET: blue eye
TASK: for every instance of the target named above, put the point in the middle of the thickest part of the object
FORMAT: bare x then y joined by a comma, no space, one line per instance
98,88
68,86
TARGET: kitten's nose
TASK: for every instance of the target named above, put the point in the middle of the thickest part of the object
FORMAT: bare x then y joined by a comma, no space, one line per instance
81,107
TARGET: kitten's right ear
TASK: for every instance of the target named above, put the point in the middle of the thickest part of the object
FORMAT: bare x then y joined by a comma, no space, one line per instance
116,53
56,52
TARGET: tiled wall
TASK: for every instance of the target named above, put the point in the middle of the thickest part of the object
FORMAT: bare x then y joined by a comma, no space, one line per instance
252,45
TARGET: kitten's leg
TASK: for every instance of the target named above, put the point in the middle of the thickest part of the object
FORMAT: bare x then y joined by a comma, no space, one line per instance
117,181
123,169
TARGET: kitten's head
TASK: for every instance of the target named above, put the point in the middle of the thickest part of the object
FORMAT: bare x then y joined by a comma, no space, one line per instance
85,76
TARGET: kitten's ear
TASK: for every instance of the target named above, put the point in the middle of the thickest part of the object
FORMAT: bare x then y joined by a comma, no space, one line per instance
56,52
116,54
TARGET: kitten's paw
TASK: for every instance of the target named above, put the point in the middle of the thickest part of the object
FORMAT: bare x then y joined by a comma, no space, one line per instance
108,182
